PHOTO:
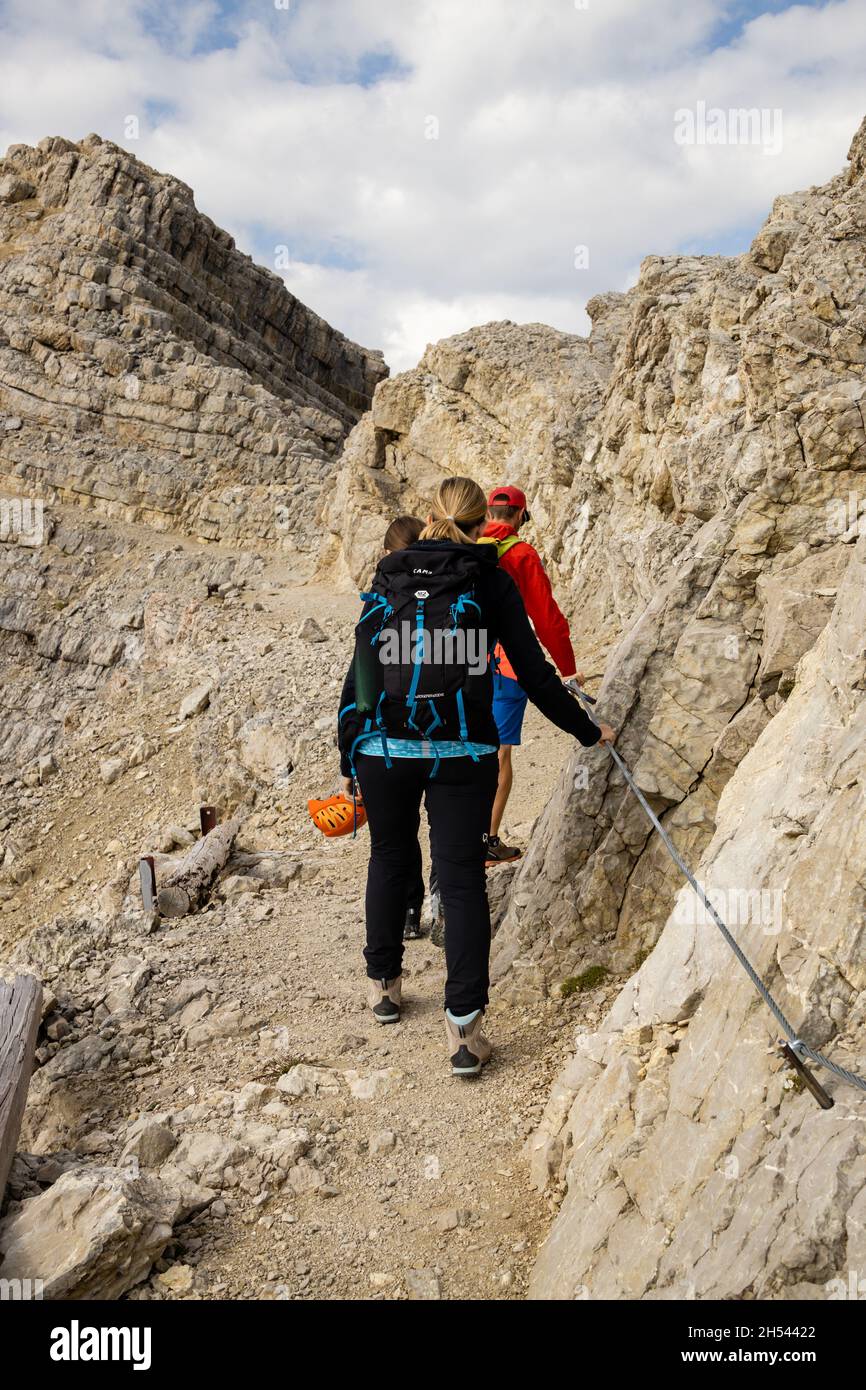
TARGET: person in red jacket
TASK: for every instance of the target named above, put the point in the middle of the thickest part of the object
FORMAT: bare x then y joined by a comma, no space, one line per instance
507,512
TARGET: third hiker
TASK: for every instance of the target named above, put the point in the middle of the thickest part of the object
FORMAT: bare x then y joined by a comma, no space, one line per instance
506,513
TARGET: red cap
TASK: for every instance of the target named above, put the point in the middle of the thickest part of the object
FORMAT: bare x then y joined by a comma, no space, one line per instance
508,497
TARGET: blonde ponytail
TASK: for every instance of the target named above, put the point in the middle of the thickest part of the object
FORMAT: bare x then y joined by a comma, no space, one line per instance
459,505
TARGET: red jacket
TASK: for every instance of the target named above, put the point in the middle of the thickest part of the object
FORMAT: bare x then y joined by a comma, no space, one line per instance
523,563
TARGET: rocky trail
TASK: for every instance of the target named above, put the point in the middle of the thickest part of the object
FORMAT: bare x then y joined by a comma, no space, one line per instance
230,1056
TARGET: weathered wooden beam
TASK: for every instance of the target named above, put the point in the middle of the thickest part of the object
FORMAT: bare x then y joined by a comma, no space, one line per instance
188,888
20,1013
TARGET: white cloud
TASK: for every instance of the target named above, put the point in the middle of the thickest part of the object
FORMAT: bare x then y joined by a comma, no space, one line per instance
555,130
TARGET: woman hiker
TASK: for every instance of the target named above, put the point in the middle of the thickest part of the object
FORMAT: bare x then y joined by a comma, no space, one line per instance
427,731
404,531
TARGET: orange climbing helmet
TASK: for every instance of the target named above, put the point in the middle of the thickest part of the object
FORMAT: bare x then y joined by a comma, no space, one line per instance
335,815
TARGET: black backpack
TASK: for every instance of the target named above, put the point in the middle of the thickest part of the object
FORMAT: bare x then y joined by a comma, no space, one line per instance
420,650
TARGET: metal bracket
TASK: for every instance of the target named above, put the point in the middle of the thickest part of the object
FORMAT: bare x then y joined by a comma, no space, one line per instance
808,1078
572,686
207,819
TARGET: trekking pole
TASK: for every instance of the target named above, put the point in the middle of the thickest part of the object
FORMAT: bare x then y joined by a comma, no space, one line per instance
794,1050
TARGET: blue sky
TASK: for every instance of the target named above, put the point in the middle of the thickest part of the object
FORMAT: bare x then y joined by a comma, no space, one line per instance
414,168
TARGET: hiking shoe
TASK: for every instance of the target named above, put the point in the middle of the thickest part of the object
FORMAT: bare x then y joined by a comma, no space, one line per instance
498,853
412,925
468,1048
383,997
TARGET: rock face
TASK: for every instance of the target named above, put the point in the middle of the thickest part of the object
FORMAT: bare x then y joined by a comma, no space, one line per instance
149,369
682,1148
697,474
154,377
739,690
501,401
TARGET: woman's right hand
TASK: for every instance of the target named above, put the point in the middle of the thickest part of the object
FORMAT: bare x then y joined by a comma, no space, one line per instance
608,734
350,788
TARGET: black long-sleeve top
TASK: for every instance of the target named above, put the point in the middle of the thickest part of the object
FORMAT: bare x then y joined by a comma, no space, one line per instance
504,618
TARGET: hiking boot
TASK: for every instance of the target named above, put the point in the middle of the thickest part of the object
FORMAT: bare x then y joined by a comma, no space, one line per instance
412,925
467,1046
498,853
383,997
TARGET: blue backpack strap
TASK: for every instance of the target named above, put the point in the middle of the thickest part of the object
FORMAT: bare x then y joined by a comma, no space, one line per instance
435,722
418,661
380,724
379,605
364,734
464,731
458,608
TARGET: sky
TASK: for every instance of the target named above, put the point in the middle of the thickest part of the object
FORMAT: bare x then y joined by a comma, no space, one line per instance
415,167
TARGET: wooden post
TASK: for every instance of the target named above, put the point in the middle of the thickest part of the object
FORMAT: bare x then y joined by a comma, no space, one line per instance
20,1014
190,884
147,878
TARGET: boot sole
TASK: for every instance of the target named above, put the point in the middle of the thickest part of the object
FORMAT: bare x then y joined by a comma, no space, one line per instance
465,1063
493,863
386,1018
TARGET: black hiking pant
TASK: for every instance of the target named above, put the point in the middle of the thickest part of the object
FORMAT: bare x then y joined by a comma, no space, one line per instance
418,889
459,803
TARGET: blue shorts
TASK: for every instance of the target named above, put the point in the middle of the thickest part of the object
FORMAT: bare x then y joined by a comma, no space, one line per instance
509,707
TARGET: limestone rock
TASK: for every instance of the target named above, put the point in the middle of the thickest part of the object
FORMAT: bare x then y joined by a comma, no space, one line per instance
306,1080
264,748
14,189
310,631
369,1085
383,1142
195,702
110,769
94,1234
151,1142
423,1285
200,393
205,1158
176,1281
